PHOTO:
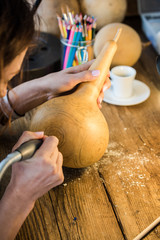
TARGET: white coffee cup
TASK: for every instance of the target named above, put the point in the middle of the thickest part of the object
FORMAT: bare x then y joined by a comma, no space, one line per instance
122,81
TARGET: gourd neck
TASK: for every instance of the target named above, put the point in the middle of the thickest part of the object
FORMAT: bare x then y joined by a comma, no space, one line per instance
102,63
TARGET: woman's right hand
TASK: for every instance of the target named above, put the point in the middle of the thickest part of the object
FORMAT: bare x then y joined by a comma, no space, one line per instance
34,177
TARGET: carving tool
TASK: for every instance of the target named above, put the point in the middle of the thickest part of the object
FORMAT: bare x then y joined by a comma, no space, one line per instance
25,151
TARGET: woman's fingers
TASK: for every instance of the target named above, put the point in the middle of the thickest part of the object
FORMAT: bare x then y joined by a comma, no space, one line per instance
26,136
100,99
59,173
85,76
79,68
106,86
48,148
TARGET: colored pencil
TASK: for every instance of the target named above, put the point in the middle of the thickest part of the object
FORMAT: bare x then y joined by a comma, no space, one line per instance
60,25
72,56
66,41
68,47
70,60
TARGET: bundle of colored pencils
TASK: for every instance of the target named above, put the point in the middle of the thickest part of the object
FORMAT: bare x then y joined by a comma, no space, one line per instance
77,37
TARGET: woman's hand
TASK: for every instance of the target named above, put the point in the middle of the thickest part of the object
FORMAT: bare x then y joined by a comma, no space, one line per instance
106,86
67,79
30,179
34,177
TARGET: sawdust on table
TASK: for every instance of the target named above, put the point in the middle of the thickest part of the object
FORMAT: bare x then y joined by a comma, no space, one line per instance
130,168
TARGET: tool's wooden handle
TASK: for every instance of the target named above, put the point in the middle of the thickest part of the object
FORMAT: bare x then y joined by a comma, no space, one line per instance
148,229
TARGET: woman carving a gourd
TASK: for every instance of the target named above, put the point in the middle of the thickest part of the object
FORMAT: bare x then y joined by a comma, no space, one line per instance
16,33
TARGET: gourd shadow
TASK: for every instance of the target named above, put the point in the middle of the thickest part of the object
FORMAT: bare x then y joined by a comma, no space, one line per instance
71,174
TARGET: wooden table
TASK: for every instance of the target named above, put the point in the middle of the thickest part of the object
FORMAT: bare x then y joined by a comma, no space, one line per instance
117,197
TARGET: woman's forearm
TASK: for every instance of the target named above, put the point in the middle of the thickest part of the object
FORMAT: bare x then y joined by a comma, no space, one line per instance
28,95
13,212
31,94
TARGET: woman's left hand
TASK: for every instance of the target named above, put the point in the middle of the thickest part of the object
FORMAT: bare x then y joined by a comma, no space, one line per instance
67,79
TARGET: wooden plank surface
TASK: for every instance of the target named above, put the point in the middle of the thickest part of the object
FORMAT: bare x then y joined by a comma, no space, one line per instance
115,198
132,161
78,209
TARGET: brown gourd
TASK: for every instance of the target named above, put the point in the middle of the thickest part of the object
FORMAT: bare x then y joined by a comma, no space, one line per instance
129,45
76,120
105,11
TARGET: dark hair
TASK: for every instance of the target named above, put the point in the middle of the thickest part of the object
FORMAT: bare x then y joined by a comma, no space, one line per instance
16,29
16,33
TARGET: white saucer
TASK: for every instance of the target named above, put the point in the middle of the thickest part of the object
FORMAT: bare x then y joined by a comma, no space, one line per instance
140,93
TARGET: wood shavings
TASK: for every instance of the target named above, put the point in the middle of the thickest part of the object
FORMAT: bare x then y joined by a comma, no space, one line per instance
130,168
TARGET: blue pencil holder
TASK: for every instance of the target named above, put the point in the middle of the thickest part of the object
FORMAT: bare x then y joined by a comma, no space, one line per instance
76,53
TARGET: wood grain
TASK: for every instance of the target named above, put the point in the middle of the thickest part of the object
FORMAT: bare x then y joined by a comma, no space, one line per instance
79,209
132,160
